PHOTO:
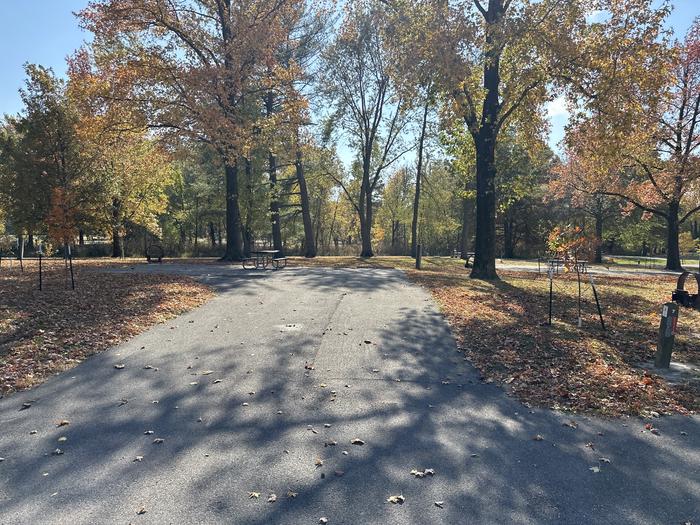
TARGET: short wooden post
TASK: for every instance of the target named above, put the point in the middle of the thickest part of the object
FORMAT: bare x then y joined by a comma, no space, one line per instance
667,335
419,253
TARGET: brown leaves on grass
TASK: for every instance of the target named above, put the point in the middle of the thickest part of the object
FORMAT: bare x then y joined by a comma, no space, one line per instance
45,332
499,327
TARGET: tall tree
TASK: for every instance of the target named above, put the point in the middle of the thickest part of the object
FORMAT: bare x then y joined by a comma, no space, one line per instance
366,103
499,61
644,144
198,66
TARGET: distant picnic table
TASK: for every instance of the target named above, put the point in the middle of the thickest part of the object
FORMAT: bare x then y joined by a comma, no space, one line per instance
261,259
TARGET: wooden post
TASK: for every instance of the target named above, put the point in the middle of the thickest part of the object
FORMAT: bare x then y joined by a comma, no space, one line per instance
419,254
667,335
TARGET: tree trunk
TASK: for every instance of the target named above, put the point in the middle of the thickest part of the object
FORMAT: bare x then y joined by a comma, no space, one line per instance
366,225
598,256
81,238
485,242
234,248
309,239
419,174
117,247
508,237
673,254
464,236
20,246
275,206
30,242
212,234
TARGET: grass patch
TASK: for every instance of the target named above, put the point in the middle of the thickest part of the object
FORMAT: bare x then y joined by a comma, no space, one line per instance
45,332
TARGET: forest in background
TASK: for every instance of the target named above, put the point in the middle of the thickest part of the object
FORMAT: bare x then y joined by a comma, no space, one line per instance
213,127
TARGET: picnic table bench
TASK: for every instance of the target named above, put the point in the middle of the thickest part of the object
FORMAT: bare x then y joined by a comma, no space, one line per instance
470,256
261,259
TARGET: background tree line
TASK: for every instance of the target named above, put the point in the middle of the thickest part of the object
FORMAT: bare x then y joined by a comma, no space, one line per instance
212,127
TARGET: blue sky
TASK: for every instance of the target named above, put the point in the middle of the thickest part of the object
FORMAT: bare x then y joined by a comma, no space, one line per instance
46,32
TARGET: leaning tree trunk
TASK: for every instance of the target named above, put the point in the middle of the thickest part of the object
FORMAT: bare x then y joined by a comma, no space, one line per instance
464,235
234,245
673,254
485,242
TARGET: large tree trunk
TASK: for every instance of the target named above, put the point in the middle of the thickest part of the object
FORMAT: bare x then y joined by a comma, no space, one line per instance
309,238
234,247
598,256
366,225
485,242
419,174
673,254
275,206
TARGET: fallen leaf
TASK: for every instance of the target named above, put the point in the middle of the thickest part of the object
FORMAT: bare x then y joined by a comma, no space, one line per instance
439,504
119,367
62,439
138,459
318,462
216,381
142,510
323,520
63,423
291,494
594,469
538,437
207,372
272,498
158,441
254,495
396,499
148,432
604,460
357,441
57,452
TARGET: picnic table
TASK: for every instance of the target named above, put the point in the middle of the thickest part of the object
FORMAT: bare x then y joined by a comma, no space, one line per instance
261,259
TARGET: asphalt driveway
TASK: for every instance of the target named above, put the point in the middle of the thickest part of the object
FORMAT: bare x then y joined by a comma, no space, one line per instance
261,392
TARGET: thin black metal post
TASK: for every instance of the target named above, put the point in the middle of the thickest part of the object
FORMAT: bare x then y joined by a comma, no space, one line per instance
70,263
597,303
551,294
578,276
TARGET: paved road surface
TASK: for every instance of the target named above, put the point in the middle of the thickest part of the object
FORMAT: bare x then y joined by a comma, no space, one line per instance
386,371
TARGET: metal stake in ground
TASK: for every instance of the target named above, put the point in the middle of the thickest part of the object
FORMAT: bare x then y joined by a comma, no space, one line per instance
597,302
551,293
